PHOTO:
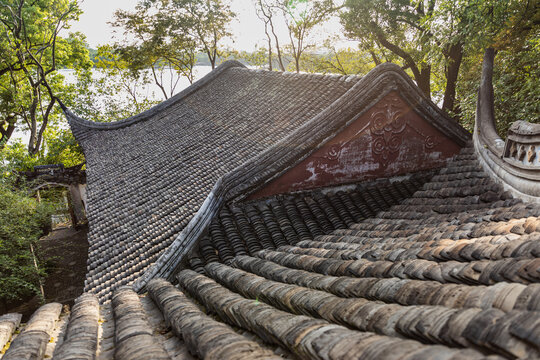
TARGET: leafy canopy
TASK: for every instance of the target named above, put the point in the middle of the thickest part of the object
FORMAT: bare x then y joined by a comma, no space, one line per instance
31,51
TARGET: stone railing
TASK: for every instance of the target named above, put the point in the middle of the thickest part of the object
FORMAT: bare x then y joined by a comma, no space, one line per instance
522,147
515,164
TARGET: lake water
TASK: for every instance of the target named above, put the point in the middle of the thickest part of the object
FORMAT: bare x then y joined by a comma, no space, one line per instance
151,90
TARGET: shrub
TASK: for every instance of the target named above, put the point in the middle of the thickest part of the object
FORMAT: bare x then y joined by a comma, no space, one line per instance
22,222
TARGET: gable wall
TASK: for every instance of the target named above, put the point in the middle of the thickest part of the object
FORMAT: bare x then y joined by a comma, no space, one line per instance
388,140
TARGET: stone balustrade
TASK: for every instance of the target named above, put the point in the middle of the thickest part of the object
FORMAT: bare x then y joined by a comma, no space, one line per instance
514,164
522,148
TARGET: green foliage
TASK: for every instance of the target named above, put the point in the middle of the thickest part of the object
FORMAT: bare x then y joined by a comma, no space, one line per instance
31,51
206,21
60,148
159,43
398,26
301,18
515,84
442,41
166,36
304,14
344,61
22,221
257,58
110,91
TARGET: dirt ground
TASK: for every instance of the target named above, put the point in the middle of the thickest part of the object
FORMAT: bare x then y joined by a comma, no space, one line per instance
63,253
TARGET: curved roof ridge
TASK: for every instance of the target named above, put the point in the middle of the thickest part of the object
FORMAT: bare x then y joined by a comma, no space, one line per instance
366,92
178,154
262,168
340,77
76,121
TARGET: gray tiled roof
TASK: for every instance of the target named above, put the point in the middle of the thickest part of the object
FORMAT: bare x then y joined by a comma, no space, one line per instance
453,266
363,272
436,265
248,227
152,175
148,176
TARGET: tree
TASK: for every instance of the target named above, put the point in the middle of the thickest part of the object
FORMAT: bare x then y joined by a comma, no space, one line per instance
119,88
257,58
396,25
433,37
22,221
344,61
209,21
159,42
30,53
59,147
110,93
466,27
166,36
301,16
515,81
265,12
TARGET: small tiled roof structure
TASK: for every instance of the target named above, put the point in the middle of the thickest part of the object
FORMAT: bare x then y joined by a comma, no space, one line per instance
439,262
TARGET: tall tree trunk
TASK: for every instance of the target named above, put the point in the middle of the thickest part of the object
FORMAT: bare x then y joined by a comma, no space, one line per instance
269,45
375,58
422,75
455,55
32,146
156,81
278,49
211,57
423,81
7,132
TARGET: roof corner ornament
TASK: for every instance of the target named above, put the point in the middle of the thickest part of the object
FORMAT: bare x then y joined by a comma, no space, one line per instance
485,127
514,164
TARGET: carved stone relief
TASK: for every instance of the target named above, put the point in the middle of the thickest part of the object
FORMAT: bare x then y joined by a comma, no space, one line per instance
523,153
387,140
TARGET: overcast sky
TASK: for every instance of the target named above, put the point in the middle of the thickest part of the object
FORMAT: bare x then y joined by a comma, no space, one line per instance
93,22
247,28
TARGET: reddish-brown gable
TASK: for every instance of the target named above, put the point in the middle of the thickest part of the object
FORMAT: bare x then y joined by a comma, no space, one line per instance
388,140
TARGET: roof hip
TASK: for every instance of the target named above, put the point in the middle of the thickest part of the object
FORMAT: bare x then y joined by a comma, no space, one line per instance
278,158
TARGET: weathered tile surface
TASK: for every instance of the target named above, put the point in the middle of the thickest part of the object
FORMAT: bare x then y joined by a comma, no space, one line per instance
436,265
452,263
147,180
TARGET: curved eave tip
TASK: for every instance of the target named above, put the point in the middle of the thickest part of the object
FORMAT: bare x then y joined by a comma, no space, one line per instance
71,117
64,107
67,113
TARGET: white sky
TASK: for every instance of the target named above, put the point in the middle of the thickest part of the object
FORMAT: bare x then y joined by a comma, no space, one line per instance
248,30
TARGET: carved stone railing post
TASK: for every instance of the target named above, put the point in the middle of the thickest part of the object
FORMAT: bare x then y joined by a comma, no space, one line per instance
522,147
514,164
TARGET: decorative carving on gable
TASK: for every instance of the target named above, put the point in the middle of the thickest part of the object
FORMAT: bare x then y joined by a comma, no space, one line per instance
388,139
386,126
